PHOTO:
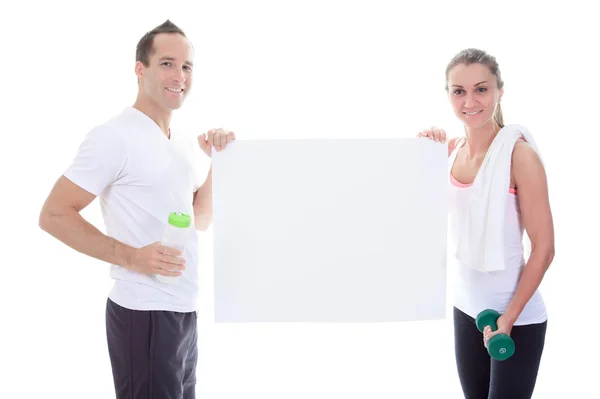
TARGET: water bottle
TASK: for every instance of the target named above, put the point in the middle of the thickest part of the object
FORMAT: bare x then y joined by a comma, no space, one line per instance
175,236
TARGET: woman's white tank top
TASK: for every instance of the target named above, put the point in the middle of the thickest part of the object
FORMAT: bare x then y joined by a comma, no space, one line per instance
475,291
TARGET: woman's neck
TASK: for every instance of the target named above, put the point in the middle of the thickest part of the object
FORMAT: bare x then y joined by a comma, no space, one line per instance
480,138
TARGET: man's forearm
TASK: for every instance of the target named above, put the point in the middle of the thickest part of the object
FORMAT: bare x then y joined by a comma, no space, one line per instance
72,229
203,204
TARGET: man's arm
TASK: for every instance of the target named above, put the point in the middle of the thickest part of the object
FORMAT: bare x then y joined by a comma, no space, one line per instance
202,199
60,216
203,204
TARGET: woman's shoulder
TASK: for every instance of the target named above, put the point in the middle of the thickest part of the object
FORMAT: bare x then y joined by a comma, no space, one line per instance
525,160
523,151
452,143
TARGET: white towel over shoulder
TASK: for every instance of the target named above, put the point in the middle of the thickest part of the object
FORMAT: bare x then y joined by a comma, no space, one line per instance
481,246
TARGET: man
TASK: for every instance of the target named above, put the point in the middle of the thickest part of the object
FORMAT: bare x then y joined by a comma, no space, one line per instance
142,172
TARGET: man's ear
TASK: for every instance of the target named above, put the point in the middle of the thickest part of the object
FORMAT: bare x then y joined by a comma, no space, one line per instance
139,69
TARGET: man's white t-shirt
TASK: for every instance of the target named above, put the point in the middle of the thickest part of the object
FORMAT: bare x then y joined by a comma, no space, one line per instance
140,177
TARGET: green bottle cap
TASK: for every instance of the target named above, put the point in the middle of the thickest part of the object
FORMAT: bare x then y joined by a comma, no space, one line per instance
179,219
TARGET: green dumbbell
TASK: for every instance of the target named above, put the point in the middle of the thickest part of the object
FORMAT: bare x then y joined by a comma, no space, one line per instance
500,346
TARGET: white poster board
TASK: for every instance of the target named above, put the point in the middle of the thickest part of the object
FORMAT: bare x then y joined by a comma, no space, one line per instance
330,230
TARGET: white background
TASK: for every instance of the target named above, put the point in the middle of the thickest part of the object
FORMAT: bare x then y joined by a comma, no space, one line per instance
283,69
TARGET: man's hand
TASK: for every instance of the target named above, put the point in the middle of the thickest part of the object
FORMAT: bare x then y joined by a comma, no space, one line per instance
217,138
157,259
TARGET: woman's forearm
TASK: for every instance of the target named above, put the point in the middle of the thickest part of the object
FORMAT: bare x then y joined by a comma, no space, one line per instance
530,279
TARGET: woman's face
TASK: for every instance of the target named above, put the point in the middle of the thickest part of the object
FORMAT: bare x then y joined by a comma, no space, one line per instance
474,94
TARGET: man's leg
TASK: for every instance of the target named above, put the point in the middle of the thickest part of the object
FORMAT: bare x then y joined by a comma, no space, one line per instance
189,377
173,355
153,353
128,336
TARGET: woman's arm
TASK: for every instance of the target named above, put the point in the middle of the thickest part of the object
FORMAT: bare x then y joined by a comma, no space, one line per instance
530,178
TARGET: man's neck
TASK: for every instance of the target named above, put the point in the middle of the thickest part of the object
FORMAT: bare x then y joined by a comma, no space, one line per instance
160,117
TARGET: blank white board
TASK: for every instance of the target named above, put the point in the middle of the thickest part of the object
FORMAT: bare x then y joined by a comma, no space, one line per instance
330,230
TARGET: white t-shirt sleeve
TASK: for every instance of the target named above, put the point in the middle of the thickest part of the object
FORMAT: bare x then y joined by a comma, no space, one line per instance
99,162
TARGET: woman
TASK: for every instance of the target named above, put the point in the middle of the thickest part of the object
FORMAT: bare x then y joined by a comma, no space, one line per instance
475,88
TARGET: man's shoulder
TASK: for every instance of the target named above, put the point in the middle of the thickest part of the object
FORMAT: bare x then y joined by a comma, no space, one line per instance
118,121
109,134
122,127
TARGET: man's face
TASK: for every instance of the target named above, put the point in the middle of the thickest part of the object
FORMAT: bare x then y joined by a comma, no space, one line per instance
167,80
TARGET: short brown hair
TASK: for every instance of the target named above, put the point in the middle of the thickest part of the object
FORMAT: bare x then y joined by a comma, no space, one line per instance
145,47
